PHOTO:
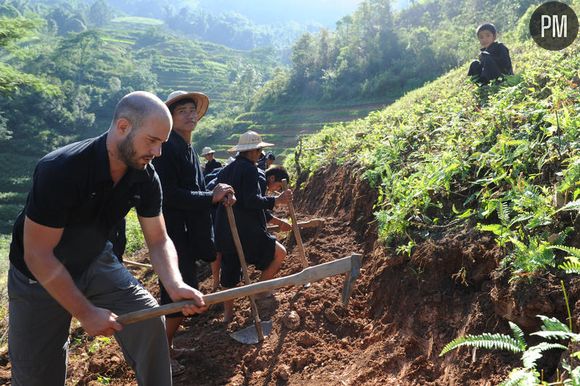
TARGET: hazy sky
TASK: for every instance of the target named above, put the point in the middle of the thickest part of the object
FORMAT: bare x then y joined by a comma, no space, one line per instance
326,12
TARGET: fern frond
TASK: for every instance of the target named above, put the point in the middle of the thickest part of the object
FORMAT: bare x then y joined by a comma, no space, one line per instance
571,250
571,206
571,266
534,353
485,340
518,334
522,377
553,324
575,376
556,335
503,212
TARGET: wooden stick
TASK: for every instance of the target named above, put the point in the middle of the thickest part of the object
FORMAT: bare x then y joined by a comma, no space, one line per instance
143,265
301,252
308,275
313,223
240,250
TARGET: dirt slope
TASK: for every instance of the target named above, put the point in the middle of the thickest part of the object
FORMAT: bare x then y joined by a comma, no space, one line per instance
402,312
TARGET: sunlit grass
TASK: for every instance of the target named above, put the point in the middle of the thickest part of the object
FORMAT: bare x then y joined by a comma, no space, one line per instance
137,20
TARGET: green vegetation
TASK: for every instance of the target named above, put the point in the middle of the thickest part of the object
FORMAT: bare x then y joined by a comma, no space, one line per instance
137,20
376,52
135,239
552,329
59,84
504,158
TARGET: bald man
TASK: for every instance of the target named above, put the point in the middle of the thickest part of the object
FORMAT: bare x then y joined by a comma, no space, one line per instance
62,265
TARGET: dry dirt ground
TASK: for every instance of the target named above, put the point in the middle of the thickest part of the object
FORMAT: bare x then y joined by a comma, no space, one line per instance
402,312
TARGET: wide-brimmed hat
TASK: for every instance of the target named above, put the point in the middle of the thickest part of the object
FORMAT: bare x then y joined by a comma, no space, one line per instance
250,140
207,150
200,99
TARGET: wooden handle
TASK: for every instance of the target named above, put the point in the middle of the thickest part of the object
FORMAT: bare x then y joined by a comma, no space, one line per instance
242,257
308,275
137,264
313,223
296,230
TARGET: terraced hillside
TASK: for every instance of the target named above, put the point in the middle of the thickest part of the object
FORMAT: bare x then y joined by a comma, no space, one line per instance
285,125
181,63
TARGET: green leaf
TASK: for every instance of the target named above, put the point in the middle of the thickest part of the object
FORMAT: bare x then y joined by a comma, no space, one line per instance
522,377
534,353
571,206
518,334
486,341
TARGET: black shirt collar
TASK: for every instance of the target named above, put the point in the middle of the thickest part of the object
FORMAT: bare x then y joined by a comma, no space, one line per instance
179,141
103,173
241,157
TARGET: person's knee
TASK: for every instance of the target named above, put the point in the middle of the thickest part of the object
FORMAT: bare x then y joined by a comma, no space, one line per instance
474,68
280,252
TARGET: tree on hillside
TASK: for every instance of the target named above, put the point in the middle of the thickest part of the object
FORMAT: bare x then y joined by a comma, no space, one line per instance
303,60
12,30
67,19
100,13
376,53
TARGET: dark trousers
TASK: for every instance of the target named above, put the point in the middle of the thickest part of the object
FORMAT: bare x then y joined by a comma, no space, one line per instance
485,69
39,326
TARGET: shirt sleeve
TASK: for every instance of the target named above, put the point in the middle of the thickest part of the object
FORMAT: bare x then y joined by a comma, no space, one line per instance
174,196
52,196
503,60
252,197
151,197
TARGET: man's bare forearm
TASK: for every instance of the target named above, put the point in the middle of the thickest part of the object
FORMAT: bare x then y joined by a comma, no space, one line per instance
164,261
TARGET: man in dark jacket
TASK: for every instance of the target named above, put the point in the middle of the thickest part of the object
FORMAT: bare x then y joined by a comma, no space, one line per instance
260,247
211,163
186,203
266,160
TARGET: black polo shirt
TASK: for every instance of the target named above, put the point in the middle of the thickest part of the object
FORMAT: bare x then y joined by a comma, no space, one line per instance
72,189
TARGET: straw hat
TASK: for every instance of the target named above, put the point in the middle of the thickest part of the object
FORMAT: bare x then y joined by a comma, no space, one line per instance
250,140
207,150
200,99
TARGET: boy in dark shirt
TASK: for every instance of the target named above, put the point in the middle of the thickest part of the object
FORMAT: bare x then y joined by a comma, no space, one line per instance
494,59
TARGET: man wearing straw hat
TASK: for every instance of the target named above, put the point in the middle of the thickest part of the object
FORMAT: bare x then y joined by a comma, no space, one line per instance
211,163
260,247
186,203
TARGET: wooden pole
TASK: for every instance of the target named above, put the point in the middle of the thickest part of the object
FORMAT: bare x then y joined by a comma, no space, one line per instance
310,274
239,249
295,228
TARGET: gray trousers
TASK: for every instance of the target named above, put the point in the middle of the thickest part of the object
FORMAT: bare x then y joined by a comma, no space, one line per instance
39,327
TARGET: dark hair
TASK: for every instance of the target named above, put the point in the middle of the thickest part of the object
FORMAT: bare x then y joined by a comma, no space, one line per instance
181,102
486,27
279,173
271,156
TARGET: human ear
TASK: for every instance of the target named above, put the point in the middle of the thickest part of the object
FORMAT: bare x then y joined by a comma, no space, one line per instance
124,126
